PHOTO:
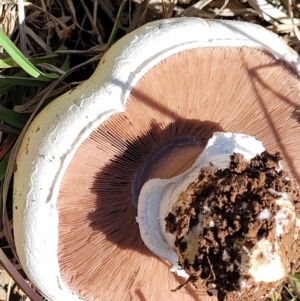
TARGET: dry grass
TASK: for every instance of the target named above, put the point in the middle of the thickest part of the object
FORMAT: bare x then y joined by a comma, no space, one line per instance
71,37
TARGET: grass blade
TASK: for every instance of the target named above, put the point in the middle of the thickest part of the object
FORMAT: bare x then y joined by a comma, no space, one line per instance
21,60
12,118
3,166
18,56
116,24
22,81
4,89
9,62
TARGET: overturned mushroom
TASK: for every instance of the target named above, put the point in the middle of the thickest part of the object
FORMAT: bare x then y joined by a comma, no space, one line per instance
148,111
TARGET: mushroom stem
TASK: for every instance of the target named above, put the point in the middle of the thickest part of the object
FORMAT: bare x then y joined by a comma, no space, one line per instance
228,216
158,196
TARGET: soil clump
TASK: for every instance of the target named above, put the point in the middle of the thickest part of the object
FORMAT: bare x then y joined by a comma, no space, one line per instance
222,216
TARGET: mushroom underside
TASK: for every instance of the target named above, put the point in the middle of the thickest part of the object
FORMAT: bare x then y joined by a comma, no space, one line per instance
190,94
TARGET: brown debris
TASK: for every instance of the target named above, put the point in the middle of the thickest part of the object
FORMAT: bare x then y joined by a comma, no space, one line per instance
236,196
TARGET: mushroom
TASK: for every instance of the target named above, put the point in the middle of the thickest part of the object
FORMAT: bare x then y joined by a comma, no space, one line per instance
148,111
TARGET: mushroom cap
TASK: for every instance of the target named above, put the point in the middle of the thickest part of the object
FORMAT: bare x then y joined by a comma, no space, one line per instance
266,107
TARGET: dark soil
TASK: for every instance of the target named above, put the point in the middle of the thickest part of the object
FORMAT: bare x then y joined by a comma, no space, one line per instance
229,202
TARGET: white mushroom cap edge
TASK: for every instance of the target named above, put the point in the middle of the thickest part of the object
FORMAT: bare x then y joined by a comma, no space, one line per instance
56,133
